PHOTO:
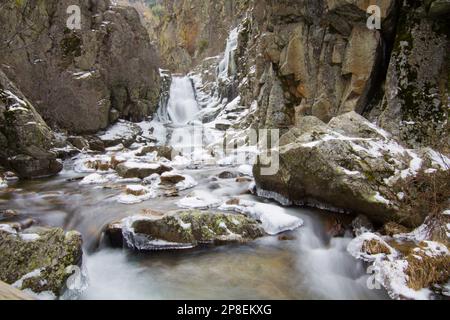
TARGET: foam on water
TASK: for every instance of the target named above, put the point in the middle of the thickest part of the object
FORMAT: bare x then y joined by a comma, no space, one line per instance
182,106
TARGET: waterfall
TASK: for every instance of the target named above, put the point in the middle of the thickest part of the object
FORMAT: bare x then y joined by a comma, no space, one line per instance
182,106
227,66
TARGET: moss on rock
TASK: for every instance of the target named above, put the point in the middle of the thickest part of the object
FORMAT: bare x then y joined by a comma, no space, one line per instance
38,259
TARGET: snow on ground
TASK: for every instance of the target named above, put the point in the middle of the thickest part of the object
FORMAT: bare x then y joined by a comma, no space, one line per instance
200,199
120,130
96,178
390,269
186,184
355,247
246,170
29,237
391,274
7,228
273,218
136,194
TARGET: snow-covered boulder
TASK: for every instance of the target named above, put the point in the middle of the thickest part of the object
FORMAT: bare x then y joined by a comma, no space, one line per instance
274,219
182,230
348,165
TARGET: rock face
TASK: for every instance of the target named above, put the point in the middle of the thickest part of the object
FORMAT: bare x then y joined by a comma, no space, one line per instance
416,103
319,58
348,165
315,58
182,230
38,259
25,139
191,30
80,80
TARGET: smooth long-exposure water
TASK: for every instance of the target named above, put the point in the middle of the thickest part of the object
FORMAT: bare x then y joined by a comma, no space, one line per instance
309,265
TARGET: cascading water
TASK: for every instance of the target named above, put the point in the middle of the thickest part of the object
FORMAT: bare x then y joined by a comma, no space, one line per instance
228,66
182,106
309,266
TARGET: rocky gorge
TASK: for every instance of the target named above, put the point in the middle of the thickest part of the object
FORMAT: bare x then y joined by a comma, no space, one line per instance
141,140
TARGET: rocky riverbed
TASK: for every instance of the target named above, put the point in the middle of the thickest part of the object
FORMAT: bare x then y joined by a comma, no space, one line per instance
308,160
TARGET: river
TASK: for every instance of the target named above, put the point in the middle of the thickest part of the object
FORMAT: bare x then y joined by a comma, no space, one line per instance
309,265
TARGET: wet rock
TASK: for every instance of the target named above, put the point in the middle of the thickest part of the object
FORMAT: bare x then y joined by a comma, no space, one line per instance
131,169
335,226
227,175
25,139
10,176
7,214
78,142
96,144
171,192
223,126
186,229
361,224
28,167
38,258
286,237
439,8
162,151
113,232
170,178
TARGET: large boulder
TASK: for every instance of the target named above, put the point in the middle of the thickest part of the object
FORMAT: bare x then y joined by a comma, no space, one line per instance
181,230
348,165
39,259
81,80
25,139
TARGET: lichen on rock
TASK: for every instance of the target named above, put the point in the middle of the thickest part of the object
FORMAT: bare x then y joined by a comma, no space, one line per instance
183,229
38,258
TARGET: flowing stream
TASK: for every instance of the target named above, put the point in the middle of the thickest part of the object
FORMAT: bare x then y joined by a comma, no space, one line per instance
310,265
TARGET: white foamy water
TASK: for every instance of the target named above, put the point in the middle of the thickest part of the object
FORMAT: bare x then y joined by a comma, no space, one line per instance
308,266
182,106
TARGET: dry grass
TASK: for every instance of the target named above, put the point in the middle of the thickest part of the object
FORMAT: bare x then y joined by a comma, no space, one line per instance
136,193
103,166
425,195
424,271
374,247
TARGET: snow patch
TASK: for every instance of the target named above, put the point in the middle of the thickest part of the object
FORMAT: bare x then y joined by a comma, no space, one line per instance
274,219
199,200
